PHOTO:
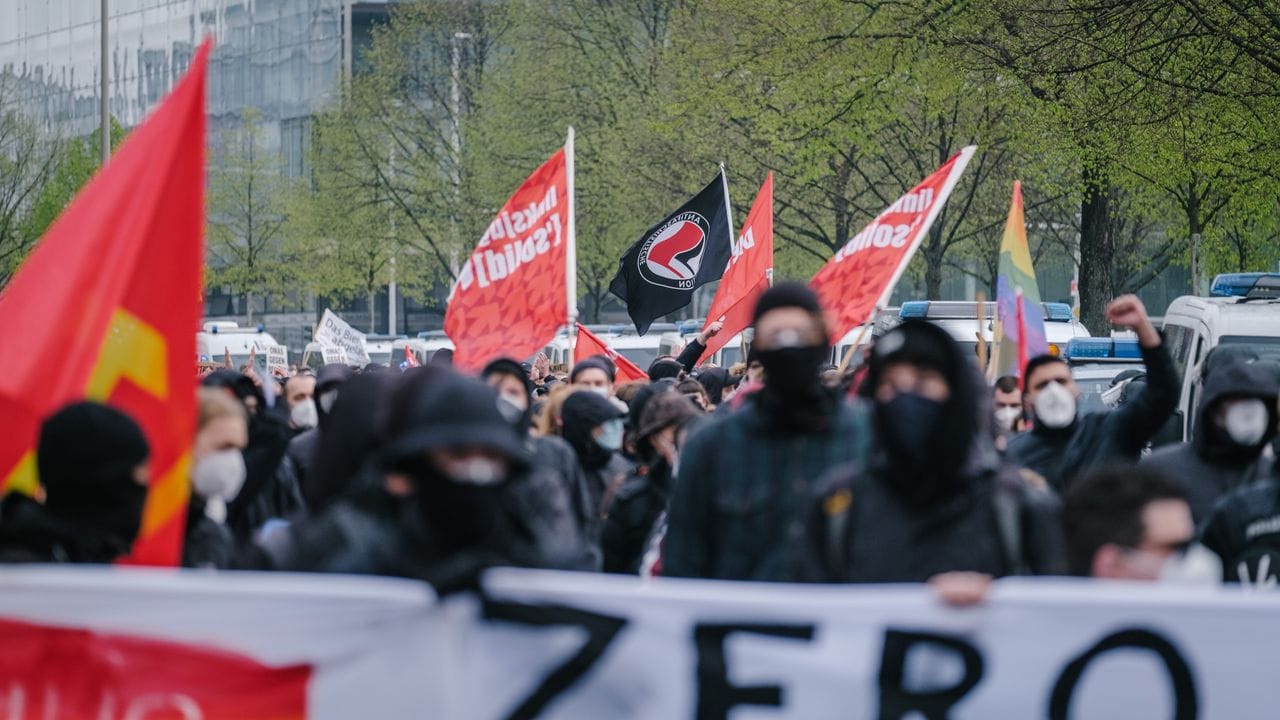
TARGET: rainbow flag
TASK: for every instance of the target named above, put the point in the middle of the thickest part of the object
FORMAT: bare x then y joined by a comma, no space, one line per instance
1020,332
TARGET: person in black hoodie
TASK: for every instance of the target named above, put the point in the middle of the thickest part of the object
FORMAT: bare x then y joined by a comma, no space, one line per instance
1235,420
643,497
92,463
299,456
933,496
554,487
594,428
438,510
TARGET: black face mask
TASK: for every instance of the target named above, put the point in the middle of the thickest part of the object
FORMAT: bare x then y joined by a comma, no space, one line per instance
792,369
910,426
458,514
110,509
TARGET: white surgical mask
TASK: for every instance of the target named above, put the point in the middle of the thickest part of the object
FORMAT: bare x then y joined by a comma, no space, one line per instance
327,399
1055,406
477,471
304,415
217,478
1006,417
611,438
1246,421
601,390
1197,566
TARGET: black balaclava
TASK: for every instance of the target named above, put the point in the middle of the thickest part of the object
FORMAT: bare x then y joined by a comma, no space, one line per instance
582,413
348,440
927,443
85,458
507,366
664,368
438,411
793,397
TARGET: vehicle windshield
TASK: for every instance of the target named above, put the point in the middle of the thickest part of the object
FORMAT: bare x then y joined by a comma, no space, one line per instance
380,358
1267,348
642,357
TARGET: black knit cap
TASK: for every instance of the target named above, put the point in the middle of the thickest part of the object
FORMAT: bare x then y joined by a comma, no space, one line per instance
787,294
237,382
590,363
916,342
507,366
444,409
664,368
85,446
332,375
588,410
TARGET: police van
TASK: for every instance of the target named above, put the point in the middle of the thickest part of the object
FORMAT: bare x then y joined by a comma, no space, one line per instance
217,338
1242,310
1102,367
960,320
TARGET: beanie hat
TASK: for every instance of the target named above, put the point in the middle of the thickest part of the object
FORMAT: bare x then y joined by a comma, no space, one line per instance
665,368
787,294
332,375
586,410
665,409
507,366
86,447
643,396
591,363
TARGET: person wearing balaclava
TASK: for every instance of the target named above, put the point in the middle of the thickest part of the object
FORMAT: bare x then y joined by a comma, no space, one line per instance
746,479
91,461
642,499
554,487
439,512
1235,421
933,496
1064,443
299,456
217,474
594,428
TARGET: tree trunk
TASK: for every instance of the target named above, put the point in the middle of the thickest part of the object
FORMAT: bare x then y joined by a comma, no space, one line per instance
932,278
248,307
1094,251
373,296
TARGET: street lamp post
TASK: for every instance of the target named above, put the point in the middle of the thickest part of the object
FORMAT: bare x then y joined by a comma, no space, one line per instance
103,105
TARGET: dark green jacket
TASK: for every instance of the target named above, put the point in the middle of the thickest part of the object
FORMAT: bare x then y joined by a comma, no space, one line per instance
743,492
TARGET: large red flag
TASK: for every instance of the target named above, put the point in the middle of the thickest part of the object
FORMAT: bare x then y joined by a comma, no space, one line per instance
747,276
510,298
117,279
589,344
863,273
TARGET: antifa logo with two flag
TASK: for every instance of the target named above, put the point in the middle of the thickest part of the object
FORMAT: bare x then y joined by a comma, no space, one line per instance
687,250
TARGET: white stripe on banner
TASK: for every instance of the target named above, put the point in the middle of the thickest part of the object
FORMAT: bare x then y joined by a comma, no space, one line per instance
560,645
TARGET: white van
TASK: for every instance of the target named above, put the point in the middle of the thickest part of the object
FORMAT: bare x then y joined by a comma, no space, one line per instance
217,337
960,320
1243,310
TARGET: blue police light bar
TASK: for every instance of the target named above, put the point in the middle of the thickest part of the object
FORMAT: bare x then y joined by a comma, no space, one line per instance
1058,312
1119,349
914,309
1237,284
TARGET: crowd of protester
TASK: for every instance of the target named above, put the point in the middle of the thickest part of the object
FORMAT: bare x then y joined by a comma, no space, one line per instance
909,467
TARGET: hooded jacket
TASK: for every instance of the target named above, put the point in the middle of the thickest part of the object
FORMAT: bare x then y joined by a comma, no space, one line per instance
29,533
880,521
1102,438
1210,466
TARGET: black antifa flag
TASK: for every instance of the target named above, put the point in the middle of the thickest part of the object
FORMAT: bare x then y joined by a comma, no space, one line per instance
687,250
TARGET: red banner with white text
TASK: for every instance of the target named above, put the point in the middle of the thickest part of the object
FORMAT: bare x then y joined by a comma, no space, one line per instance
863,273
509,299
747,276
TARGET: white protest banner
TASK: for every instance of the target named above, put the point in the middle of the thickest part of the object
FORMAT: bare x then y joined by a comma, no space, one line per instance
583,646
135,644
277,359
335,332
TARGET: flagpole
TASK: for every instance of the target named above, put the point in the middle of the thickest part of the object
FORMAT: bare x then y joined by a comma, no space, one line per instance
571,252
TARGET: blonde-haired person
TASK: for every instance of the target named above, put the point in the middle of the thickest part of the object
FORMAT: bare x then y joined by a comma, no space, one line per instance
217,473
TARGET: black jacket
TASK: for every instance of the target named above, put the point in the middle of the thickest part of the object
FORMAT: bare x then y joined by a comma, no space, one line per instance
207,544
30,534
1102,438
632,515
1244,530
1209,466
373,533
861,531
556,457
269,490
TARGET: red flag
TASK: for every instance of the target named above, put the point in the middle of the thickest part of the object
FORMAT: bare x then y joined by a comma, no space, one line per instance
510,297
410,360
747,276
589,344
863,273
117,277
